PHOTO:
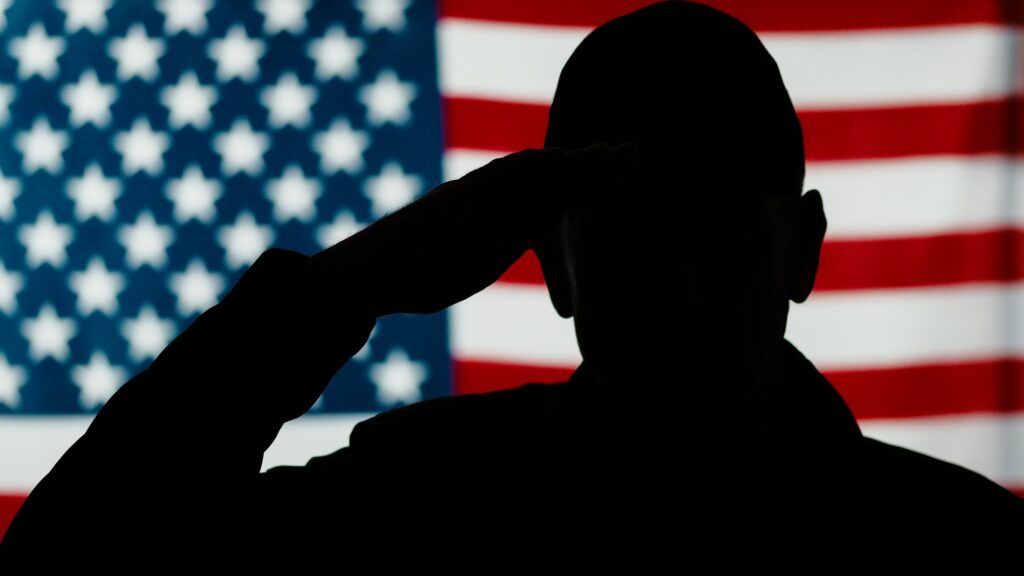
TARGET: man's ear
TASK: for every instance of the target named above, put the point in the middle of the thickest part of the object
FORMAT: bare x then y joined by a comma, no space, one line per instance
810,228
553,264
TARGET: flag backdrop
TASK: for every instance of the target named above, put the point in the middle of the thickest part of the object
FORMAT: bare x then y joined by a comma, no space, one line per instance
150,151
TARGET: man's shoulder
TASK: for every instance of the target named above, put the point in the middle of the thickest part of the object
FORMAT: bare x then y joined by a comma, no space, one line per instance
903,469
912,506
490,419
950,501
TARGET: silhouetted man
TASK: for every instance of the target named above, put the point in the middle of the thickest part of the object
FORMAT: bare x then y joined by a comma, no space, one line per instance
692,436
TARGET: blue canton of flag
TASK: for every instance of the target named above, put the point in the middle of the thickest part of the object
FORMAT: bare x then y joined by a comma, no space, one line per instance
150,151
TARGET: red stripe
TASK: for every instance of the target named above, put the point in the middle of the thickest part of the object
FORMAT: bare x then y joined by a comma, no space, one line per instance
990,256
9,504
794,15
973,128
995,386
909,391
526,270
491,125
990,127
474,377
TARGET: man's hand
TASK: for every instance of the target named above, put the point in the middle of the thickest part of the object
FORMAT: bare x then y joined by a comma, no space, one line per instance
461,236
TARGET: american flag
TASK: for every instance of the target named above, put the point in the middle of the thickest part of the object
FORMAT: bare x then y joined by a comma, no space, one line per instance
150,151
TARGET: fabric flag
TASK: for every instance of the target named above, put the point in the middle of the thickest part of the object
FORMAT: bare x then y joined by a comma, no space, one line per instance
149,151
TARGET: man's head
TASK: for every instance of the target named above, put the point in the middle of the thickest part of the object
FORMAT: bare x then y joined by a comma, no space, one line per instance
693,262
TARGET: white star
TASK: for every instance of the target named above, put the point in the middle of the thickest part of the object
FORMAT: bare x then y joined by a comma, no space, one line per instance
91,14
281,15
188,102
244,240
48,334
288,102
137,54
97,381
10,188
341,148
45,240
391,189
335,54
94,194
188,15
387,99
241,149
237,55
147,334
196,288
37,53
11,282
12,378
343,226
89,100
6,97
398,379
145,241
293,195
97,288
193,195
42,147
378,14
141,148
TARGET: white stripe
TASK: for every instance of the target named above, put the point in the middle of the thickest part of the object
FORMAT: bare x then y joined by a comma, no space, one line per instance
862,329
458,161
309,436
987,444
513,62
517,62
888,328
908,66
919,196
515,324
29,447
890,198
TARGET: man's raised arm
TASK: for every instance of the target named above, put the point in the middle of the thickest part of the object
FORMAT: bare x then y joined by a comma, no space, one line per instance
167,477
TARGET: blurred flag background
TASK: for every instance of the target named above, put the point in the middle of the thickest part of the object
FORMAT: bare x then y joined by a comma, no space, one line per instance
150,151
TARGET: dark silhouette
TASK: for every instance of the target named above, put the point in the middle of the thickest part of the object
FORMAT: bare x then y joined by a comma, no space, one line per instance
693,437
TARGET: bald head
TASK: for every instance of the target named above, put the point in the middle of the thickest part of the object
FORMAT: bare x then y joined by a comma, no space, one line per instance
695,89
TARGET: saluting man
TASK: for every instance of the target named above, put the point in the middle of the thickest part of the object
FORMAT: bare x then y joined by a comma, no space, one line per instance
669,217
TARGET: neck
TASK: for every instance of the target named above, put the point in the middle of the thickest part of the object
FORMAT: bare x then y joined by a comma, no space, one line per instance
713,403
